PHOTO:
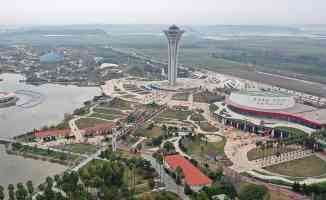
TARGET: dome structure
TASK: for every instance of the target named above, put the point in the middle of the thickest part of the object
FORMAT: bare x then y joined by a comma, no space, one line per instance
51,58
174,27
262,100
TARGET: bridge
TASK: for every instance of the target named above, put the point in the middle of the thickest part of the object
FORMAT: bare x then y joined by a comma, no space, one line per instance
6,140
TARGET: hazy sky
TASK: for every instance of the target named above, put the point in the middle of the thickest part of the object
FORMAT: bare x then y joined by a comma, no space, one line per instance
163,11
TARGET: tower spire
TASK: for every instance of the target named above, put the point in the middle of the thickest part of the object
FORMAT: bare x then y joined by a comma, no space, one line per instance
173,35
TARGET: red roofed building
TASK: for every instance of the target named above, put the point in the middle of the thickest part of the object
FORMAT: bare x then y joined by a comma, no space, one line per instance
51,135
192,175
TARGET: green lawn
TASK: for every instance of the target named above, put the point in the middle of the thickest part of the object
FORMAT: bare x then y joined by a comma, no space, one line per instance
88,122
104,116
129,96
118,104
80,148
107,111
213,107
193,147
160,195
181,96
152,133
304,167
175,114
205,126
197,117
46,153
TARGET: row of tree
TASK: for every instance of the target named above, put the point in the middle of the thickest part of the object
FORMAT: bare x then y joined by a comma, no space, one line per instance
21,192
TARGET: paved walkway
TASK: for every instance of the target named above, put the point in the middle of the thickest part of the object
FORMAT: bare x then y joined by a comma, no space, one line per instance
175,142
89,159
169,183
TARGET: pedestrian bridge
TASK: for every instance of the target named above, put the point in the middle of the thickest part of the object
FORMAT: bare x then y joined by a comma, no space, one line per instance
6,140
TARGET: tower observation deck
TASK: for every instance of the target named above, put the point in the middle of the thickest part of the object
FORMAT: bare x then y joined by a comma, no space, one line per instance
173,35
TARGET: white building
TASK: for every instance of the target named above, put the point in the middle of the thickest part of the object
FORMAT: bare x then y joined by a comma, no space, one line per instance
174,35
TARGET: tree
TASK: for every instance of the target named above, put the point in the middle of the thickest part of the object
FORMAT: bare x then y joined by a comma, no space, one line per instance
49,182
168,147
187,190
30,188
253,192
179,174
150,126
41,187
164,128
2,194
21,192
151,183
11,192
296,187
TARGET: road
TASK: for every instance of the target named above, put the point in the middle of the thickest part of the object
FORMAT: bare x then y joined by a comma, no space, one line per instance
89,159
170,185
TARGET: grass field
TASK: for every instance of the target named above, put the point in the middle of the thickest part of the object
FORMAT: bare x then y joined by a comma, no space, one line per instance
197,117
205,126
152,133
108,111
46,153
160,195
305,167
275,195
88,122
175,114
118,104
80,148
181,96
105,116
193,147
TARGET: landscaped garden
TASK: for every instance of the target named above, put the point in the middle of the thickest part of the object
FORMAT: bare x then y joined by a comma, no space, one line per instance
304,167
181,96
149,133
198,147
105,116
175,114
205,126
107,111
88,122
119,104
197,117
45,154
207,97
80,148
160,196
134,172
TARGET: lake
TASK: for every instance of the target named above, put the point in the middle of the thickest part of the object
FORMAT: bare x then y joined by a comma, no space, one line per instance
59,100
15,120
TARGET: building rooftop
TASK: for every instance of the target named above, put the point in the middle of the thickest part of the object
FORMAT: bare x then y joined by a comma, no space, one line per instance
51,133
264,93
193,176
306,112
174,27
